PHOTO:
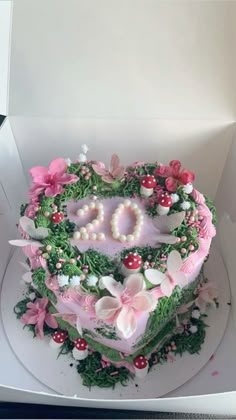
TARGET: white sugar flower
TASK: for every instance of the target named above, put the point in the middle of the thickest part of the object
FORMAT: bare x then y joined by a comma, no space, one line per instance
196,314
175,198
84,148
188,188
82,158
92,280
32,296
193,329
63,280
68,161
185,205
74,281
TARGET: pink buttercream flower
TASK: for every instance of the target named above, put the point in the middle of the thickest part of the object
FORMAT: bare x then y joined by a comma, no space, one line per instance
206,295
174,174
172,277
37,314
51,180
114,172
35,257
128,302
207,229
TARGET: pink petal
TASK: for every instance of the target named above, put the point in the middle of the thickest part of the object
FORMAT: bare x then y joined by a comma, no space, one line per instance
154,276
171,184
180,279
106,307
114,164
38,173
156,292
144,301
175,166
100,170
166,223
51,321
167,287
108,178
174,262
118,173
134,284
39,327
163,171
79,326
186,176
67,179
29,318
53,190
57,166
126,322
113,286
42,302
24,242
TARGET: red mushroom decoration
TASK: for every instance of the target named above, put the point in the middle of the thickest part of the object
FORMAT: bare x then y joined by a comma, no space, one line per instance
57,339
57,217
147,182
80,350
164,203
131,263
140,366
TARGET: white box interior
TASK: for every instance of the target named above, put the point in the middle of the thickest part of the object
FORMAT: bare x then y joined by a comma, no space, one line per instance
157,79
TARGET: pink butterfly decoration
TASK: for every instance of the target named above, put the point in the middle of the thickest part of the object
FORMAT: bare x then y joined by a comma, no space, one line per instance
114,172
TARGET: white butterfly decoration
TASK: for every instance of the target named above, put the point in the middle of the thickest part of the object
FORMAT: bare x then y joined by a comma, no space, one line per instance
28,226
165,224
171,278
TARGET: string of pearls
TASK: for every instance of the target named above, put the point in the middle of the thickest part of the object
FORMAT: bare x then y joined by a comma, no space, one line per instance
84,232
137,228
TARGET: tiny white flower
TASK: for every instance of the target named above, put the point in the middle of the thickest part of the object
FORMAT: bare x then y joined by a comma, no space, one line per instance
82,157
92,280
196,314
74,281
84,148
188,188
185,205
68,161
175,198
193,329
32,296
63,280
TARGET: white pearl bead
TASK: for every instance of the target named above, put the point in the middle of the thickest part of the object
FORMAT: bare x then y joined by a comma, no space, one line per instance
89,226
101,236
99,206
85,207
100,218
83,230
135,235
123,238
93,236
127,203
121,206
130,237
92,206
84,236
76,235
134,206
80,212
95,222
116,235
138,211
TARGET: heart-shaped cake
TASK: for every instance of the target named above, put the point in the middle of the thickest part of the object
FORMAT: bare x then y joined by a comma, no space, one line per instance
115,261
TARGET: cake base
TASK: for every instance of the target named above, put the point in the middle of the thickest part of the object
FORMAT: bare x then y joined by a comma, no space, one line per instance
62,378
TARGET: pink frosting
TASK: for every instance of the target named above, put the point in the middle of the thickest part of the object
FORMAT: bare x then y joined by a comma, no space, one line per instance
197,196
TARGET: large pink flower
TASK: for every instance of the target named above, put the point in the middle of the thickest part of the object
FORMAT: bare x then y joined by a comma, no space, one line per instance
129,301
114,172
207,229
35,258
174,174
50,180
206,295
37,315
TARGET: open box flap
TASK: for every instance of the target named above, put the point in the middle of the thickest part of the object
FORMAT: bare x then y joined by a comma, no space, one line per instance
5,31
105,59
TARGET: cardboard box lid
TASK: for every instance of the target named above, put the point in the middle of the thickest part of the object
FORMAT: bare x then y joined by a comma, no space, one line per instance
91,59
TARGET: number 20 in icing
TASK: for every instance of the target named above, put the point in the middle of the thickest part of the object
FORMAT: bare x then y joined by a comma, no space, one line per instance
85,233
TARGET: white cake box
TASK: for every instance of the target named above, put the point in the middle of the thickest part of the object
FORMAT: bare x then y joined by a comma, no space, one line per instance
154,81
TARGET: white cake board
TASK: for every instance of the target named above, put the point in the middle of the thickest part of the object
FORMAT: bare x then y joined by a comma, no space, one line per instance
41,361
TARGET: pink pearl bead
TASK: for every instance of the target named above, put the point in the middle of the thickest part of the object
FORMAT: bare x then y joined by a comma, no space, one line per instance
183,238
46,213
48,247
58,265
177,239
71,260
183,250
82,276
192,218
191,248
